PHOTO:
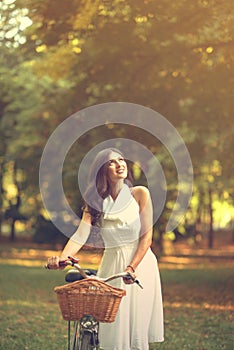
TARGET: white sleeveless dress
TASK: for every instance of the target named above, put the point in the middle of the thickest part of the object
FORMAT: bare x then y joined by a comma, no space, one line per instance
139,320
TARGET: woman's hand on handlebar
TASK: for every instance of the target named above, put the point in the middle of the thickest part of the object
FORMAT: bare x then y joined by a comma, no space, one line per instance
54,263
131,278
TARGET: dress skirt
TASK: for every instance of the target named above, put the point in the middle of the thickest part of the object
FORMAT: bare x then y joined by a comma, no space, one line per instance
139,320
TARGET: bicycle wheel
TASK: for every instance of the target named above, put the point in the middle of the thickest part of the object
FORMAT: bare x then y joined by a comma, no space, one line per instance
85,341
88,333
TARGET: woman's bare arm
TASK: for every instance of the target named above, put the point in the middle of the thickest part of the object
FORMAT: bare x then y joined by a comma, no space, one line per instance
142,196
75,243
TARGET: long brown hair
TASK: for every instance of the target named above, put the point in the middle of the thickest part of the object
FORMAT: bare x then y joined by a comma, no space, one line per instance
98,188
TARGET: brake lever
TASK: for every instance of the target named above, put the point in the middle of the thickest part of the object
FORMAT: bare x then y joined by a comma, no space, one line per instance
73,260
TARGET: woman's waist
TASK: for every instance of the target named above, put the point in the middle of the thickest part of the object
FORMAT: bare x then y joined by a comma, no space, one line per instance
119,247
115,238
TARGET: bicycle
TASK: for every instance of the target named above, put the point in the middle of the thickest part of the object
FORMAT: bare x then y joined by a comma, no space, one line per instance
87,300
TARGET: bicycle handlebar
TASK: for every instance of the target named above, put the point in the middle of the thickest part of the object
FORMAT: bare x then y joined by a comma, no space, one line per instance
71,261
122,274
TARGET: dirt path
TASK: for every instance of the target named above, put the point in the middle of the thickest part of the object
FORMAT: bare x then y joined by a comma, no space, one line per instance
176,256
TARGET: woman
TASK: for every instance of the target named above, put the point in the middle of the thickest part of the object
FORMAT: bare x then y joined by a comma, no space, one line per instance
124,216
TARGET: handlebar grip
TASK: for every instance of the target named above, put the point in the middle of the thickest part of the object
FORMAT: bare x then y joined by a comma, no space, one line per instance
129,277
62,263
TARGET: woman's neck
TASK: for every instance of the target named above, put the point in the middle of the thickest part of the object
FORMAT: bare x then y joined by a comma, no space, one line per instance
115,188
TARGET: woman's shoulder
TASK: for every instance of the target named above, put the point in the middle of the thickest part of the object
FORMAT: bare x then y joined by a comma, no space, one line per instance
140,193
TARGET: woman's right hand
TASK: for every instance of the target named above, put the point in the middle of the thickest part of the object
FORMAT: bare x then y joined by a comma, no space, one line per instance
53,263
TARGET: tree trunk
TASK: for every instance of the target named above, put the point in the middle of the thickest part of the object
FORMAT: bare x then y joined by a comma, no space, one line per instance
211,221
160,242
18,203
200,207
12,236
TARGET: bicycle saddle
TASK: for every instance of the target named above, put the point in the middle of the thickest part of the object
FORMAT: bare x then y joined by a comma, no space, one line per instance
73,275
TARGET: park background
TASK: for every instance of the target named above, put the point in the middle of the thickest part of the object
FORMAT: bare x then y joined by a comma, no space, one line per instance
58,57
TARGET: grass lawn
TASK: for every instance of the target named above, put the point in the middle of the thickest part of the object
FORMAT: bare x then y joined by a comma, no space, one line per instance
197,305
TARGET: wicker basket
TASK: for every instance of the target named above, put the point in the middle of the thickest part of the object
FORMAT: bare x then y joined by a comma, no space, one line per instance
89,297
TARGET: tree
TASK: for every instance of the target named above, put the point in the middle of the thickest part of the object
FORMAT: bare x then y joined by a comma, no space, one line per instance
20,138
173,57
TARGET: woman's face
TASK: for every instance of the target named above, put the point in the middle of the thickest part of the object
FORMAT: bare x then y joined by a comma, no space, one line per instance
116,167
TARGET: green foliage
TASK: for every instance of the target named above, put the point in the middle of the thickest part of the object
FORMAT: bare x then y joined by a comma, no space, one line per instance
176,58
